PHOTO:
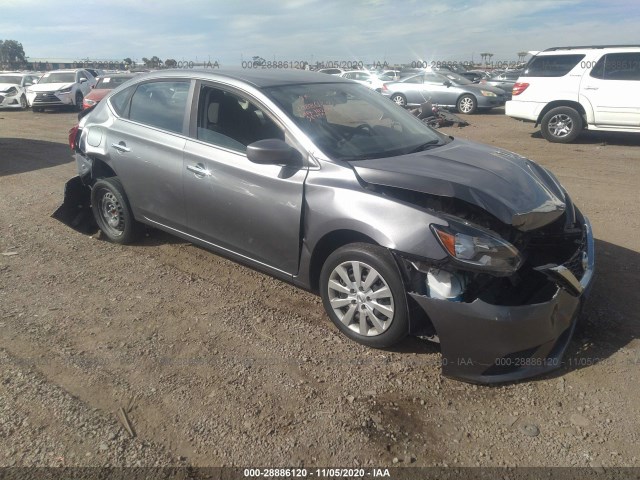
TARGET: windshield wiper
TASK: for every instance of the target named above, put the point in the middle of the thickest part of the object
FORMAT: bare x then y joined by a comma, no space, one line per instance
425,146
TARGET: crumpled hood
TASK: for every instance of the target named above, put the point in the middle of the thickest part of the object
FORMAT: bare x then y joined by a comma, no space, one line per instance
49,87
512,188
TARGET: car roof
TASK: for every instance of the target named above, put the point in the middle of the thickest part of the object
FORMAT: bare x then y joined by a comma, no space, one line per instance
587,48
258,78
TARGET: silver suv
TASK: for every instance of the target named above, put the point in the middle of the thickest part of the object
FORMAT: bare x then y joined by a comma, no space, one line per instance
568,89
326,184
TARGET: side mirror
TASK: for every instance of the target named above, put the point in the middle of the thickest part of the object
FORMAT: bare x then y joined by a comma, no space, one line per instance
28,84
273,151
447,83
83,80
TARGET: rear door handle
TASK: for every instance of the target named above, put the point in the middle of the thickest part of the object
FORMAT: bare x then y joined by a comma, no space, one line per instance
121,147
199,170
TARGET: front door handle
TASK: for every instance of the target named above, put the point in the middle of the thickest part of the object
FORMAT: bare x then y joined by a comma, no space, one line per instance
199,170
121,147
591,88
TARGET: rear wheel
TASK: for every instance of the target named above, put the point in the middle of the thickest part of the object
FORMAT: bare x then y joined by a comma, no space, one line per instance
364,295
112,211
467,104
399,99
561,125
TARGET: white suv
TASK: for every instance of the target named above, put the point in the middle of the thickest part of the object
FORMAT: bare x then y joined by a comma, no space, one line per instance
60,88
568,89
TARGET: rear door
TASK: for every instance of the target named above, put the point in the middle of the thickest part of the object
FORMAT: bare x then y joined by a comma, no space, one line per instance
612,88
146,145
249,209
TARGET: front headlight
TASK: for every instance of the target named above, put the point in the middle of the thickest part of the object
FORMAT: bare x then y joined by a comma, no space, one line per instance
477,247
65,90
89,102
487,93
28,90
11,92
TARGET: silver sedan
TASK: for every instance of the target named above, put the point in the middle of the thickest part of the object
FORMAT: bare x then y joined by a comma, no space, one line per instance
444,88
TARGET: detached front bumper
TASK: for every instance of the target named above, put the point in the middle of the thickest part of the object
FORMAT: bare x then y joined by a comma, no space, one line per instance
484,343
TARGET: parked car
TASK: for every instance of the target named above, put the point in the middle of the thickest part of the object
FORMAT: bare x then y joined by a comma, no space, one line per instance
322,183
505,81
95,72
389,75
475,76
446,89
566,90
332,71
365,78
103,86
60,88
13,89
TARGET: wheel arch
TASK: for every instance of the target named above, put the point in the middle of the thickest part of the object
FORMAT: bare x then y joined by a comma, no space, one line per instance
330,242
562,103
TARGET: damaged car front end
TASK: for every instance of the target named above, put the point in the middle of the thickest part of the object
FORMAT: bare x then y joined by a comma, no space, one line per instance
504,301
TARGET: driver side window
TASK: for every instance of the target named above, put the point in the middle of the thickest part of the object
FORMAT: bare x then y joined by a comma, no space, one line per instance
230,121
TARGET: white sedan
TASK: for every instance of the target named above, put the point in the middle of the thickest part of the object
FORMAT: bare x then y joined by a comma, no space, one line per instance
13,89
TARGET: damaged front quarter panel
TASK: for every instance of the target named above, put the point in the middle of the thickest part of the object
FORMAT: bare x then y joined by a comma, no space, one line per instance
489,338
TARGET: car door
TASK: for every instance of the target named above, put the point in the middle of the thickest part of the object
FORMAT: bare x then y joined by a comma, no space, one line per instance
146,144
249,209
612,88
435,88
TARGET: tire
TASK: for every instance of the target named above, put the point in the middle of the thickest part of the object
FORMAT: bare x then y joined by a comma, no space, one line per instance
79,99
23,102
467,104
379,321
561,125
399,99
112,212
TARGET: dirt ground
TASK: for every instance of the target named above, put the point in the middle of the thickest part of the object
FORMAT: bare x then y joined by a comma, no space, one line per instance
216,364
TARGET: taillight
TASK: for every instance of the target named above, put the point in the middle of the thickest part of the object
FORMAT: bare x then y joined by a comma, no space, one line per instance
518,88
73,137
384,87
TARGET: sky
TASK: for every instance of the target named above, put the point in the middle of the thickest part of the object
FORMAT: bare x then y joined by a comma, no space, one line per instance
369,31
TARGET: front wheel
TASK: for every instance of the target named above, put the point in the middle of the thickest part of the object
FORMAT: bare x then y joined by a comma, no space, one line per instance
467,104
364,296
23,102
561,125
112,211
399,99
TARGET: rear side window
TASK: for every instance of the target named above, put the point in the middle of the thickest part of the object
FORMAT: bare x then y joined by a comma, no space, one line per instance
551,65
160,104
120,101
618,66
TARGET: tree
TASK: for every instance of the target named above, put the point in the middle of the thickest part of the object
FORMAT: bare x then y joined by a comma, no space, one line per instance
170,63
127,62
11,53
156,62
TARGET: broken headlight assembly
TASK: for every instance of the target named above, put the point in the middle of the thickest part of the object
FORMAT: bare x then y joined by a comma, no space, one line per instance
477,248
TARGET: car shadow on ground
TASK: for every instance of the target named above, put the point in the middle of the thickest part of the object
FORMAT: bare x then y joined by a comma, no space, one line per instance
33,154
600,138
